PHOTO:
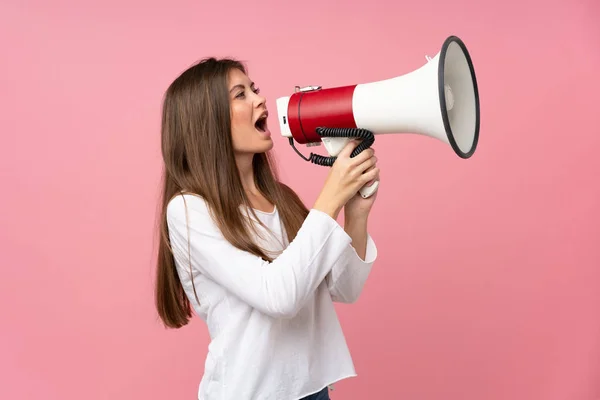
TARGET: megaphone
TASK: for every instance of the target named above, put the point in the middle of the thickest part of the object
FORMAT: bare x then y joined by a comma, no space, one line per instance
438,100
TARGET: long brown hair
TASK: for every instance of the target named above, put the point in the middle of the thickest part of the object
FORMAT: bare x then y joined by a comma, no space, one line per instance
198,158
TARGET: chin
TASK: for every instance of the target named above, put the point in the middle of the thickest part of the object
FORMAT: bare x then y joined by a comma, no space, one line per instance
266,147
263,147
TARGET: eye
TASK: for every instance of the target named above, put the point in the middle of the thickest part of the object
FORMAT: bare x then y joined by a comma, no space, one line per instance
240,95
256,91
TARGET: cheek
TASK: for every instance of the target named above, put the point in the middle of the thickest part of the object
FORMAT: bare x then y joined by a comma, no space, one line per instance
240,135
241,122
241,114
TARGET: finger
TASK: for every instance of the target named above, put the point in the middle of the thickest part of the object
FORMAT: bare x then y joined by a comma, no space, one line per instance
362,157
371,176
372,181
370,168
348,148
376,178
367,164
369,183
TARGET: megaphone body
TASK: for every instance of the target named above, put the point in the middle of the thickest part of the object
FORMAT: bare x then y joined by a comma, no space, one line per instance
438,100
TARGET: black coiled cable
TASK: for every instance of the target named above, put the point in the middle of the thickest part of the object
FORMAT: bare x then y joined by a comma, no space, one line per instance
367,139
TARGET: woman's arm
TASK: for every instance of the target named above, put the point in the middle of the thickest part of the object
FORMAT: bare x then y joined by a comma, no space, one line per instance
348,276
279,288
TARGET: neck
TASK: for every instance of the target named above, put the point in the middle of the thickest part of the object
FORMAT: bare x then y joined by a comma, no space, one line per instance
244,165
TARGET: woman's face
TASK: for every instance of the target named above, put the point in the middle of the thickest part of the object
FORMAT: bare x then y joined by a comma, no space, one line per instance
249,129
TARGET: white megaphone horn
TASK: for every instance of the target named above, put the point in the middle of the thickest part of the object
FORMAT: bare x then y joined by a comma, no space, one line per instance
439,100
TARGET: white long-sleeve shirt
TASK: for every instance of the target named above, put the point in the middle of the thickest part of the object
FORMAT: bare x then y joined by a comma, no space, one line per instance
273,327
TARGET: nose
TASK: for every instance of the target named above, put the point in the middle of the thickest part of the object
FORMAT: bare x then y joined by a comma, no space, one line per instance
260,100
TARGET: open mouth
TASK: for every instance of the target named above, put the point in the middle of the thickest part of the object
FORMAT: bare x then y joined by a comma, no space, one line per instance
261,123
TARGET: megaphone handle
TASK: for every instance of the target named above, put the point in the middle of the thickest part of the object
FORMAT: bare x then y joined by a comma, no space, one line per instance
367,191
334,145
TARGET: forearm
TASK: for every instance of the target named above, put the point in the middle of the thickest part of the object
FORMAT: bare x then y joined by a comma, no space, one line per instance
347,278
356,228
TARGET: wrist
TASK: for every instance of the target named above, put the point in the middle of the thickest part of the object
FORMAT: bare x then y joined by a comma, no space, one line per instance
355,226
328,207
356,220
357,230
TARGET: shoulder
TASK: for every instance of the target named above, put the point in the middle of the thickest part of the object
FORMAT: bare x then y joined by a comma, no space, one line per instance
183,207
181,201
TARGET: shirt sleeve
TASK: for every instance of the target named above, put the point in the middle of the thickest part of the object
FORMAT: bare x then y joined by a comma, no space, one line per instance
279,288
348,276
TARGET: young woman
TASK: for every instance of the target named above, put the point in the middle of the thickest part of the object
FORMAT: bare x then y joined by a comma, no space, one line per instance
240,249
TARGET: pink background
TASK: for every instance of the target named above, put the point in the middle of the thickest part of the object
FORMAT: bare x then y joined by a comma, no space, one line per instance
488,281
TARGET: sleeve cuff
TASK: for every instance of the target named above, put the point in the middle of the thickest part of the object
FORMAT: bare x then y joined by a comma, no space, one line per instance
370,254
323,217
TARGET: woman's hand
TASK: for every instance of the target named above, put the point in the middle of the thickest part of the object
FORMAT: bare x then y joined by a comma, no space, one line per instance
346,177
357,209
356,215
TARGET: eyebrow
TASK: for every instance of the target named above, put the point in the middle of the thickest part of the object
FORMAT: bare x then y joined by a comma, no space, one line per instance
240,86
